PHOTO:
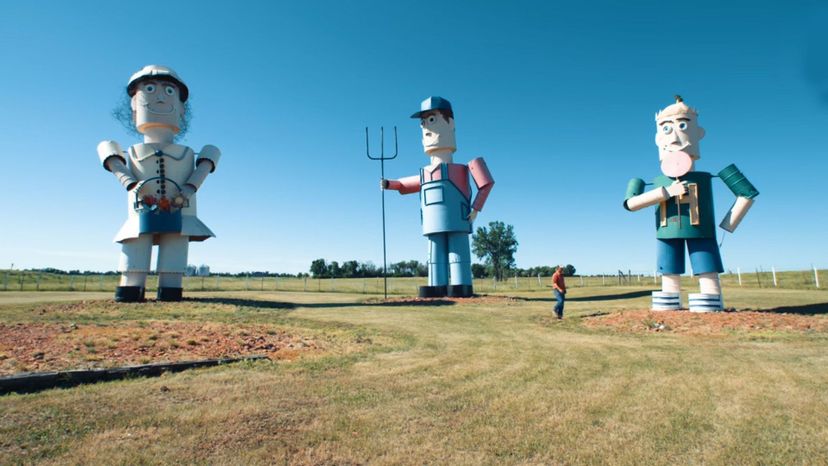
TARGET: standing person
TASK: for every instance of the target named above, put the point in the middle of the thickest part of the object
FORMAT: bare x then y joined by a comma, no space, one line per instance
161,179
447,209
560,290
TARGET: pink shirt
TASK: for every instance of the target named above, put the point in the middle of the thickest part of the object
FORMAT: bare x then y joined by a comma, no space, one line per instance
457,174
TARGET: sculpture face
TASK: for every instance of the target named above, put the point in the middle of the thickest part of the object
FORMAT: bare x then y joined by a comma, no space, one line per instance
678,133
157,103
437,132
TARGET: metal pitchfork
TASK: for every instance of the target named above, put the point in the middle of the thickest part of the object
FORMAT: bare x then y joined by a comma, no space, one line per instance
382,158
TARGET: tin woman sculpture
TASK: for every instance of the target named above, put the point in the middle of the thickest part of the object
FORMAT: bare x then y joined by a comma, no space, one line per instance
161,179
685,210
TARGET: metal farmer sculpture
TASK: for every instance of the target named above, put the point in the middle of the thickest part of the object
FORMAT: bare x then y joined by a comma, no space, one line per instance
684,212
446,207
161,179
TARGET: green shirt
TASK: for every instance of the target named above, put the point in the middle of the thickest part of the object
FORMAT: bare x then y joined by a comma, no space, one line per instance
692,216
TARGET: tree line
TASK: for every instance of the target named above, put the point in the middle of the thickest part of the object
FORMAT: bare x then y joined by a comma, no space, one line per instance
353,269
495,244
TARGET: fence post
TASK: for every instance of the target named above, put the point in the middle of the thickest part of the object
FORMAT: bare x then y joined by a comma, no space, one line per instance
306,284
72,283
494,282
603,280
217,282
758,280
84,283
262,287
364,280
37,283
515,280
202,283
655,277
6,282
539,282
100,283
247,282
582,280
816,276
21,280
333,283
773,271
739,273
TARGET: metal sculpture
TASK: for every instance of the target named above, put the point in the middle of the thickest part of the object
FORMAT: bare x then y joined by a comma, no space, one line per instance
447,210
161,179
684,216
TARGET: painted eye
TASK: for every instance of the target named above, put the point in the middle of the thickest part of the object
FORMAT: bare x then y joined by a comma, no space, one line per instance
683,125
149,88
431,119
169,90
667,129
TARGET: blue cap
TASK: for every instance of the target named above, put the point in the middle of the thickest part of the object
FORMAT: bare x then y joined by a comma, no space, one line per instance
434,103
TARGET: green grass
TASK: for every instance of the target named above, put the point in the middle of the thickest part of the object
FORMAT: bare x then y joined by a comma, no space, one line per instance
485,383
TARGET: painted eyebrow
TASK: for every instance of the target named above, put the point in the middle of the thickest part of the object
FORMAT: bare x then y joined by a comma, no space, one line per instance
683,119
665,122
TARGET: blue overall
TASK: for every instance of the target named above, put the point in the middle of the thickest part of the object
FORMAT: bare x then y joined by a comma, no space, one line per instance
444,211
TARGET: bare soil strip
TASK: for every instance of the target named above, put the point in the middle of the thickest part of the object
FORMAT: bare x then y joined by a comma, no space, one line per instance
34,347
714,323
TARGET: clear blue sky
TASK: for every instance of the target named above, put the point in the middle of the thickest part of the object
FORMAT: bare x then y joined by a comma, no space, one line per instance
558,98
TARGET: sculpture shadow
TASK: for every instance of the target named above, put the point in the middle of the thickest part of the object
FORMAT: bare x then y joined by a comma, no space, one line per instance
263,304
400,303
260,304
608,297
804,309
613,297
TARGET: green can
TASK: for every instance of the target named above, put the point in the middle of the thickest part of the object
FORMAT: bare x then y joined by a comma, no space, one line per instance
737,182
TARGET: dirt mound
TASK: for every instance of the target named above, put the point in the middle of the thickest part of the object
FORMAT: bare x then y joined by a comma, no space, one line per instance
46,347
713,323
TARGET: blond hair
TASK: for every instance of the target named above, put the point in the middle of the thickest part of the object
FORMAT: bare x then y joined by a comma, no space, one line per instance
678,108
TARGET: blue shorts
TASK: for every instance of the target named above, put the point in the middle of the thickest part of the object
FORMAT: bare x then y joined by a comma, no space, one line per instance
704,255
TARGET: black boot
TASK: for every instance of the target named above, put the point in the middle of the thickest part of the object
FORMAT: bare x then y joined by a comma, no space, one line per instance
169,294
432,291
129,294
460,291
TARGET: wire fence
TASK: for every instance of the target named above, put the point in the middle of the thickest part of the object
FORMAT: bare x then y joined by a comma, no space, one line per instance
16,280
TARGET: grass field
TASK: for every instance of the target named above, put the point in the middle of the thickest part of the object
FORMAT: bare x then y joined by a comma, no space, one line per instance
492,381
16,280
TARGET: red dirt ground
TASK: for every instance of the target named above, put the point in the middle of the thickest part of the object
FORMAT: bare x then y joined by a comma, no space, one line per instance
48,347
713,323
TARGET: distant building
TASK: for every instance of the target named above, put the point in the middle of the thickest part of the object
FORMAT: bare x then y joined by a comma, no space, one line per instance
203,270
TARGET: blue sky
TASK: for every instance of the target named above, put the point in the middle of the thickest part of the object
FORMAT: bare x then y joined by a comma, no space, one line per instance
558,98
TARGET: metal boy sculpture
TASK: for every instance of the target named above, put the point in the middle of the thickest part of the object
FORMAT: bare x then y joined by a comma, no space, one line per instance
161,179
446,208
685,210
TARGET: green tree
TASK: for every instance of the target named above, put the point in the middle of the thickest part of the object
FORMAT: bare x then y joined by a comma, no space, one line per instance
350,269
497,246
478,270
569,270
318,268
334,270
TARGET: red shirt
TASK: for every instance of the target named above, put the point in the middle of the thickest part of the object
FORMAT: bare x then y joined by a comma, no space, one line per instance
558,279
